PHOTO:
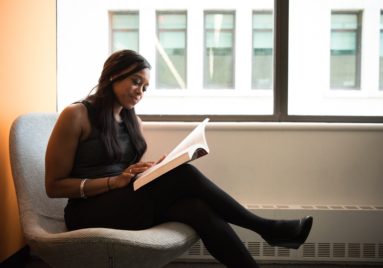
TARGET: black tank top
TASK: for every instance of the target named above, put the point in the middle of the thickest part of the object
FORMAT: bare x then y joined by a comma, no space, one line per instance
91,159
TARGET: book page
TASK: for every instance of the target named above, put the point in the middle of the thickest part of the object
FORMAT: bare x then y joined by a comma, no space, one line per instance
193,141
196,137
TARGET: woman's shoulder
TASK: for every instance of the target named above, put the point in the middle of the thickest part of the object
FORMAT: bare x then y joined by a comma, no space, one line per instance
74,118
76,109
75,113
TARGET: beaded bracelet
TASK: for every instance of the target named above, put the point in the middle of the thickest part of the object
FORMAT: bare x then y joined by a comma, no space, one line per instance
82,193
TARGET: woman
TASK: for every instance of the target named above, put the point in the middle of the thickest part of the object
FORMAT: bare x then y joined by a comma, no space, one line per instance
95,151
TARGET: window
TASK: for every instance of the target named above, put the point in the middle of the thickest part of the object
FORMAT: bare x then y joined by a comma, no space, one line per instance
333,69
345,50
381,53
124,30
263,24
219,50
171,50
271,60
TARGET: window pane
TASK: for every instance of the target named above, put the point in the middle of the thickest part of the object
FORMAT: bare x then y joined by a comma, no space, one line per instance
171,51
173,39
125,21
325,53
381,54
344,51
171,21
124,31
344,21
343,60
173,65
203,53
125,40
263,20
219,39
219,55
219,21
262,65
343,42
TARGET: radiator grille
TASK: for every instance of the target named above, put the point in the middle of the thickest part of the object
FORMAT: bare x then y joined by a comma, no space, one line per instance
268,250
195,250
339,250
309,250
254,248
368,250
283,252
354,250
324,250
321,246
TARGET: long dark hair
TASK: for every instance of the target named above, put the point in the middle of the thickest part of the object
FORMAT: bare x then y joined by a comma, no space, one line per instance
103,100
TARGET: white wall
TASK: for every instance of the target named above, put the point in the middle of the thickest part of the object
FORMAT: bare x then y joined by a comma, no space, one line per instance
283,163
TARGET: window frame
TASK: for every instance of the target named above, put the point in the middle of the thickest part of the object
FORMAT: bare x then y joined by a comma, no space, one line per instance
380,57
281,38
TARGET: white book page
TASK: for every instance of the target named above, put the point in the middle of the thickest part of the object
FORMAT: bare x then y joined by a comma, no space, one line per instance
196,137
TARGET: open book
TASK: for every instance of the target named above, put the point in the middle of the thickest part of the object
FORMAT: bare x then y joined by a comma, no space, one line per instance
192,147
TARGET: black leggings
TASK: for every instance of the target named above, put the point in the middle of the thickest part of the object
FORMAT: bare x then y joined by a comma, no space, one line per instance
184,195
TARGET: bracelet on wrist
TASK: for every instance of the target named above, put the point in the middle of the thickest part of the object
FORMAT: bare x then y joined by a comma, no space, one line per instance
82,192
108,184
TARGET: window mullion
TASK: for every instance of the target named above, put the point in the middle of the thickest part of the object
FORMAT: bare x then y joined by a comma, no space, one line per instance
281,26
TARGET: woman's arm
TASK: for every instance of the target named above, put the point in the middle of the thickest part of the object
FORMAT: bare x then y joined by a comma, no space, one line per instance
72,127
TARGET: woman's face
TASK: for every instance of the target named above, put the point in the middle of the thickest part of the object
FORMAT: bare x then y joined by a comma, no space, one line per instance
130,90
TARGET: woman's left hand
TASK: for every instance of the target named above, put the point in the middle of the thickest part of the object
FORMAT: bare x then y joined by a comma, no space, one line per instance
138,167
129,173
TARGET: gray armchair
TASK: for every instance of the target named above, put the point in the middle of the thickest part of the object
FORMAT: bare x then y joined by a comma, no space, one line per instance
42,218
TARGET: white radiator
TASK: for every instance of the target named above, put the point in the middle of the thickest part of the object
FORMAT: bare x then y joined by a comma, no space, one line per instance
340,233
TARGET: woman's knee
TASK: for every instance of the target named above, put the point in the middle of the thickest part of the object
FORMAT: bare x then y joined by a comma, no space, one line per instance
191,210
186,168
188,172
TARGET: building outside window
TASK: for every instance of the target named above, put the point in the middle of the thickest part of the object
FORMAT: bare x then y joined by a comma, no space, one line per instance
262,66
171,50
219,50
221,55
345,50
124,30
334,59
